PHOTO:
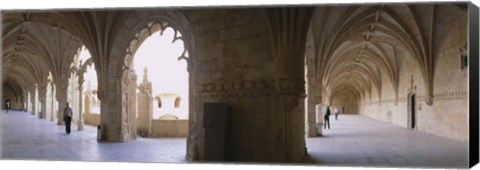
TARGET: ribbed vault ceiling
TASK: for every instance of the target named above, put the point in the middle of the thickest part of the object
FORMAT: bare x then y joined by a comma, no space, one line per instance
356,47
359,46
33,46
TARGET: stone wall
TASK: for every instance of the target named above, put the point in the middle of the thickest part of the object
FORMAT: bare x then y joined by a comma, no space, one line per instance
448,115
235,64
15,101
346,103
91,119
169,128
160,128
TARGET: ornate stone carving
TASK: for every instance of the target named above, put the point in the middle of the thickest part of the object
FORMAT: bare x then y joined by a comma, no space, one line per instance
131,107
252,88
144,109
451,95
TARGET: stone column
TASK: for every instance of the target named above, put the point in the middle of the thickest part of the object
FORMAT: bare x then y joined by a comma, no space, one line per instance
113,118
291,100
61,95
267,118
48,101
80,96
25,102
71,97
311,80
52,114
34,101
311,116
74,99
289,30
29,102
132,104
319,112
42,93
145,108
37,101
87,102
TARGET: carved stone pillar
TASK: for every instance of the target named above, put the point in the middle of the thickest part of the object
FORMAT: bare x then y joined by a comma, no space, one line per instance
37,101
311,92
145,108
104,115
73,99
48,101
267,120
289,31
87,102
80,99
311,116
33,100
61,95
29,102
25,108
53,112
42,94
114,120
292,109
319,117
131,105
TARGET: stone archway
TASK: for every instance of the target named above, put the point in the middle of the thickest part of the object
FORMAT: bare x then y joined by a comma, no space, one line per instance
130,86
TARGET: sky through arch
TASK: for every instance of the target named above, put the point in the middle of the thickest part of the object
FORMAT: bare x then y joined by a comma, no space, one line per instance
165,71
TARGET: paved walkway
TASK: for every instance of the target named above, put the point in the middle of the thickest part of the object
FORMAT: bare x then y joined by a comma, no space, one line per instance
355,140
352,141
26,137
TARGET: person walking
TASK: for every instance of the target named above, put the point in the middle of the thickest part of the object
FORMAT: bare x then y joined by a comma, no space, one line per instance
67,117
326,117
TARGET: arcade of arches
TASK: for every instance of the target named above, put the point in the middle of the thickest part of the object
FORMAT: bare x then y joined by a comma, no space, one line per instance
275,67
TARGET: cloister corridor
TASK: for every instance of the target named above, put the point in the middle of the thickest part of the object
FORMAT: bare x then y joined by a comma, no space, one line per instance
256,85
353,140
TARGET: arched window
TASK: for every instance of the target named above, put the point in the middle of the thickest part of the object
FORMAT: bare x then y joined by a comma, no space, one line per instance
167,59
159,101
177,102
89,87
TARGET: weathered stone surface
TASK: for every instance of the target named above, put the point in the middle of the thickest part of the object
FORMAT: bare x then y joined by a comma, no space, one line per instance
144,107
92,119
363,59
169,128
448,116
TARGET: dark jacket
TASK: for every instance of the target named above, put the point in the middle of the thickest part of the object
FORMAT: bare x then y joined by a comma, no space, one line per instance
327,113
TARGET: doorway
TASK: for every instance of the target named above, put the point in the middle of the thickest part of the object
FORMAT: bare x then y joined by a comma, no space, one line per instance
412,110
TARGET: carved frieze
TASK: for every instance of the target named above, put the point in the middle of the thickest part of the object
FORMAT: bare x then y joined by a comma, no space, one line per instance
450,95
252,88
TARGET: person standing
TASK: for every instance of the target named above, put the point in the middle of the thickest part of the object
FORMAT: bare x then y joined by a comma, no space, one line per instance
326,117
7,105
67,117
336,113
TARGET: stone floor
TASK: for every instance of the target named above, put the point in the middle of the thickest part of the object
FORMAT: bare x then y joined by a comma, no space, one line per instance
358,141
352,141
28,138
